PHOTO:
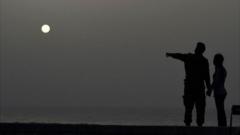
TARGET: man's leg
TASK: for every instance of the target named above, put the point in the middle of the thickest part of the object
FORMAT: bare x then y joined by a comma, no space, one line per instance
200,109
188,103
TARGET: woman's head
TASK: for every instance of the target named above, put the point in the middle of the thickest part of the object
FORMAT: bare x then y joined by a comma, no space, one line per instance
218,59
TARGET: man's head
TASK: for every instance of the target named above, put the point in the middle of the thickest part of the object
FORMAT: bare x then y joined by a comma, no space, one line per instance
200,48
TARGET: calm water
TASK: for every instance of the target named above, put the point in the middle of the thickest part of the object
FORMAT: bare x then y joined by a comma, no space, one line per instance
124,116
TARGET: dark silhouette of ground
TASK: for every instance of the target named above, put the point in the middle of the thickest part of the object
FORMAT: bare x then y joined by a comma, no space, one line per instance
218,86
197,76
81,129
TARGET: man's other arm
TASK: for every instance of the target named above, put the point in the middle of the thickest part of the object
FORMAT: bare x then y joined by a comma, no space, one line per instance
207,80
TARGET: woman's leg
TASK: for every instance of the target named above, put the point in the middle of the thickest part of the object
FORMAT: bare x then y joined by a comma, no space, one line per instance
219,100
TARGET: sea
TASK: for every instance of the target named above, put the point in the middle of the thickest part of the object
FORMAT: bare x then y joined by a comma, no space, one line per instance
148,116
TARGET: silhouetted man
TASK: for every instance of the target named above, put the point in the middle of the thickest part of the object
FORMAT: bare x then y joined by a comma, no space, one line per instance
197,75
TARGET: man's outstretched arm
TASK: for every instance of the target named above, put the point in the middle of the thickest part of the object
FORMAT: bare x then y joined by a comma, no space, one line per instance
178,56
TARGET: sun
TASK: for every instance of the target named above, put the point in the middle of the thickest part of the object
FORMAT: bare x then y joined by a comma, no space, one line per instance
45,28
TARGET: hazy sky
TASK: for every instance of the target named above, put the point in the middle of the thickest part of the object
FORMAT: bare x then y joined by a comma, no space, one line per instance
111,52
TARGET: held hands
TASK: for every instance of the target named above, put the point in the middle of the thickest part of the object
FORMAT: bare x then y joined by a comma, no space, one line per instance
209,92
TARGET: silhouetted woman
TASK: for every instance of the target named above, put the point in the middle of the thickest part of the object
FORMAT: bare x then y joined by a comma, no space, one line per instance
218,87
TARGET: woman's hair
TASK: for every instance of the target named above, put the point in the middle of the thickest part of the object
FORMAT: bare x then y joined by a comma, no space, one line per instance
218,59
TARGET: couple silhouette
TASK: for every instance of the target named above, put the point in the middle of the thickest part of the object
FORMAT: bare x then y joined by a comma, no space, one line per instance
196,79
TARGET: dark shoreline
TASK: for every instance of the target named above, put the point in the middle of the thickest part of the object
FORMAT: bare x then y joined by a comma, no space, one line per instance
92,129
